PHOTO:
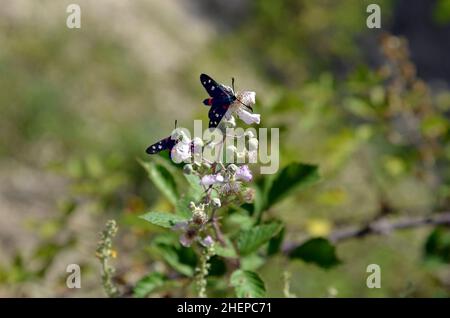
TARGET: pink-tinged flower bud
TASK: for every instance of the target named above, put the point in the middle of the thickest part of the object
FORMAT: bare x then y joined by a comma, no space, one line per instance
207,241
244,173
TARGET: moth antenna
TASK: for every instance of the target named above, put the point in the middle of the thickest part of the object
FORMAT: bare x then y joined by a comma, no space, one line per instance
232,85
249,107
176,122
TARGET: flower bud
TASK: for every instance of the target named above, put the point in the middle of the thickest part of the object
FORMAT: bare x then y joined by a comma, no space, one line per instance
232,168
207,241
188,169
216,203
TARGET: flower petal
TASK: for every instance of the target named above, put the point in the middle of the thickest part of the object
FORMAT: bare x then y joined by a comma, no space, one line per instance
181,152
247,117
244,173
211,179
247,97
185,240
207,241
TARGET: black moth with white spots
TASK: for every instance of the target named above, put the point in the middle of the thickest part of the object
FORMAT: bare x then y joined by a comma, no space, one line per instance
221,99
163,144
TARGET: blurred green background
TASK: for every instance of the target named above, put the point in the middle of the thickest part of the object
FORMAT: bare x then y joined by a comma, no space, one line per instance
79,106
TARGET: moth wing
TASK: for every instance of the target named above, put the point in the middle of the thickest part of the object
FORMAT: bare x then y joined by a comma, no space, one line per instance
163,144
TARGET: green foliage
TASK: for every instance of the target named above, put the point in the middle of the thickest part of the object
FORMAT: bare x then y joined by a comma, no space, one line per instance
441,12
167,248
437,245
249,241
193,195
162,179
148,284
276,242
247,284
293,177
318,251
163,219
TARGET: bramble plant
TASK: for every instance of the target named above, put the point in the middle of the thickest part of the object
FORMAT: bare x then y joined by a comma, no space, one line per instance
217,227
218,216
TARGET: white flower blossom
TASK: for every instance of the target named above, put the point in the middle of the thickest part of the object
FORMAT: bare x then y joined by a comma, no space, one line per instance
181,152
211,179
247,98
179,134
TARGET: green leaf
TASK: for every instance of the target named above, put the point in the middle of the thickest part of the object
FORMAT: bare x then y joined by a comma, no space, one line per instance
226,251
275,243
437,245
163,180
217,266
252,262
359,107
148,284
441,12
292,177
163,219
195,189
318,251
194,194
182,207
168,248
247,284
249,241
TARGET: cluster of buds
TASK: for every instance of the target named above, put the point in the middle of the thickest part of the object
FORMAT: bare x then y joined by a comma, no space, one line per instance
228,181
191,230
